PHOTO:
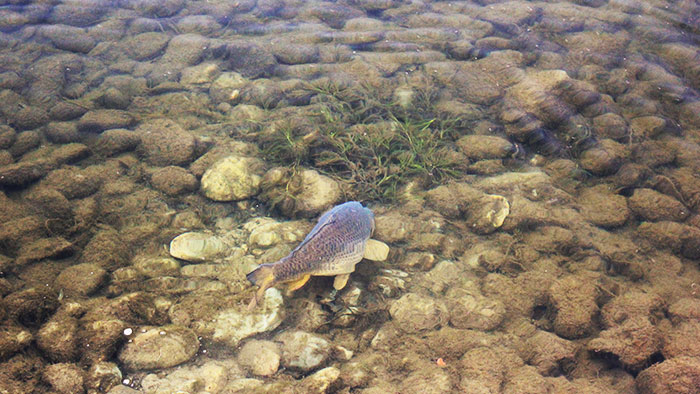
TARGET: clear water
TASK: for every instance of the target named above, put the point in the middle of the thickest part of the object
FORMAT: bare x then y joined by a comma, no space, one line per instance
584,116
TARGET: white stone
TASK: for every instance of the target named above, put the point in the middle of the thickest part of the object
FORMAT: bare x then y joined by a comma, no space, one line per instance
302,350
196,247
233,178
233,325
261,358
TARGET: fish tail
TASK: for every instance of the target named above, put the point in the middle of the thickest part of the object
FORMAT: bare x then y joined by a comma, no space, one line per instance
264,278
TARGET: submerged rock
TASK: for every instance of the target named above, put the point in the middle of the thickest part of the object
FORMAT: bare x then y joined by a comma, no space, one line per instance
674,376
159,347
233,178
574,299
550,354
81,279
164,142
633,342
414,313
225,319
58,339
654,206
303,194
197,247
302,350
65,378
211,377
261,358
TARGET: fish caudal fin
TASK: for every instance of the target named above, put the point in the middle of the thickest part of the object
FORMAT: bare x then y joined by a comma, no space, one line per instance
264,278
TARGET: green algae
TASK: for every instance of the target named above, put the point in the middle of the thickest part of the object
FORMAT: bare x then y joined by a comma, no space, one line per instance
372,143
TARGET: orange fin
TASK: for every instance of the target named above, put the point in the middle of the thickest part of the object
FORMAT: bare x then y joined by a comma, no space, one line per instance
297,284
340,281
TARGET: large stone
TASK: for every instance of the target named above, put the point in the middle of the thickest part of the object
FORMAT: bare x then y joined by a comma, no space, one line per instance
261,358
159,347
573,298
233,178
58,339
654,206
225,319
302,350
164,142
197,247
678,375
304,194
81,279
211,377
65,378
414,313
104,119
633,342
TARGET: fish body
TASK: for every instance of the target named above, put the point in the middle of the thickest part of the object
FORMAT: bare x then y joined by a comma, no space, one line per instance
333,247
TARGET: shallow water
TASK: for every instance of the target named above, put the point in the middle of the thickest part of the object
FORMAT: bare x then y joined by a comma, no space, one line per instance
533,167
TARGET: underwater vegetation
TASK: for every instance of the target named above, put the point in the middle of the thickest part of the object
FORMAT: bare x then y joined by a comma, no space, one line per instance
376,143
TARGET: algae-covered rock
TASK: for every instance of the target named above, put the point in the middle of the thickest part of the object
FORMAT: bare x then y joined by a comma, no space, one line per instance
58,339
655,206
470,309
173,180
303,194
633,342
603,208
574,299
678,375
164,142
81,279
210,377
482,147
550,354
159,347
233,178
225,319
64,378
414,313
13,338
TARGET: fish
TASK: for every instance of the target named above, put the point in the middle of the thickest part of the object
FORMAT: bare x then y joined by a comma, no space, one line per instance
340,240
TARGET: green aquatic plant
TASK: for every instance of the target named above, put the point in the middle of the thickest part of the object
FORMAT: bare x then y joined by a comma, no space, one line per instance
367,139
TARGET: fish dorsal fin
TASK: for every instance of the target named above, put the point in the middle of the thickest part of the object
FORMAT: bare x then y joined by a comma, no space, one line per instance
325,220
376,250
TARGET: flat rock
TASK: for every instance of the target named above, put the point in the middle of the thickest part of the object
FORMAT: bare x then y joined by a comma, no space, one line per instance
97,121
261,358
654,206
65,377
604,208
197,247
81,279
303,350
415,313
159,347
173,180
225,319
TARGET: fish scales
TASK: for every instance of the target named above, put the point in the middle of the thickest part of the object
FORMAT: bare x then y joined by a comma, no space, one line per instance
336,242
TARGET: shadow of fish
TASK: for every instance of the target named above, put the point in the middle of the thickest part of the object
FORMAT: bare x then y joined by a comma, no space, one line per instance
340,239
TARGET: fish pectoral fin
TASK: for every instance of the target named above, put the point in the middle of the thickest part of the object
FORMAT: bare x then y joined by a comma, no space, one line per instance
376,250
340,281
297,284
